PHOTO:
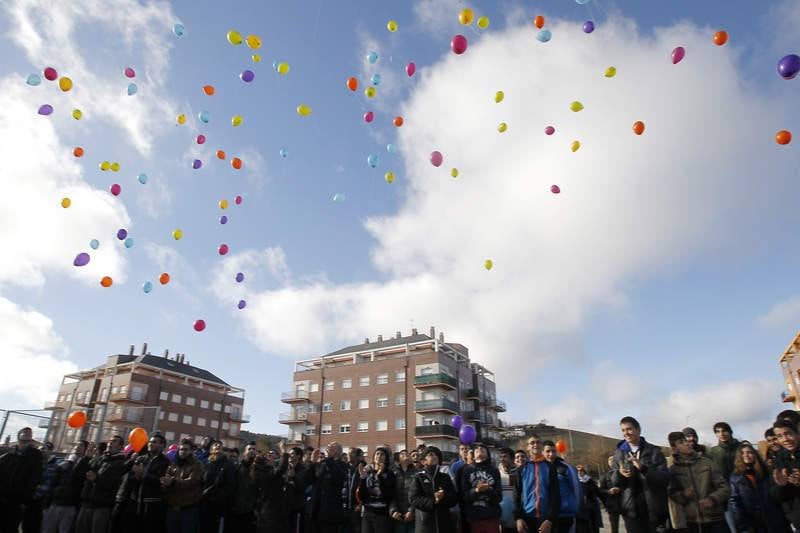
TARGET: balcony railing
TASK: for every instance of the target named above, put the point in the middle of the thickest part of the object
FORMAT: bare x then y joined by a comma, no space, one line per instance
49,406
240,417
436,430
442,404
294,396
83,401
125,415
472,394
292,417
129,396
435,380
474,416
497,405
43,423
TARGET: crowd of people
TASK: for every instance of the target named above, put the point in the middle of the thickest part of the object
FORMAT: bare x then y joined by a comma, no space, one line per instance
211,489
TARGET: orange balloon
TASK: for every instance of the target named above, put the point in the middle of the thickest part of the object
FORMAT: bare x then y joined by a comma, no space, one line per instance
783,137
638,127
106,281
220,154
721,37
236,163
561,446
209,90
398,121
539,21
78,151
76,420
352,83
164,278
137,438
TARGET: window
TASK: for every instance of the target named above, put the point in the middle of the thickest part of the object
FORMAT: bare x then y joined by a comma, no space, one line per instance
400,423
169,435
123,389
234,430
176,398
217,406
187,419
344,405
329,384
363,381
325,429
347,383
114,390
400,399
400,446
215,424
311,430
400,376
364,448
383,379
172,417
363,427
190,401
363,404
164,395
312,408
314,387
227,409
344,428
225,426
327,407
382,402
201,422
426,370
203,404
381,425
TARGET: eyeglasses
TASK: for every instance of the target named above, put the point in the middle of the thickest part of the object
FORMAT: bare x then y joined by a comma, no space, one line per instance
534,442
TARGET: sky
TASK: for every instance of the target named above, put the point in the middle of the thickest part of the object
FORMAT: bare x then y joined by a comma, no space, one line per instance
660,283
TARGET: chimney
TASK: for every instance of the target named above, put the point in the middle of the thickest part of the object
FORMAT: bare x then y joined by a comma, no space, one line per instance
182,358
414,331
441,337
166,354
132,348
433,332
398,335
144,349
366,340
380,338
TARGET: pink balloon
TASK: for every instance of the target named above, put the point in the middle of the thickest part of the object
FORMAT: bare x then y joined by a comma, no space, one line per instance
128,449
201,139
436,158
199,325
678,54
129,72
369,116
50,74
549,130
238,200
411,68
223,249
459,44
116,189
555,189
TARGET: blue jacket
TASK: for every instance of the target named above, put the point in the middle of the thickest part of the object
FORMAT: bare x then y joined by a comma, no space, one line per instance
752,506
537,494
569,487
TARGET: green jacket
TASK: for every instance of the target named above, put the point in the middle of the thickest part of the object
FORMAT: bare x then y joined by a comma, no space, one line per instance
699,473
723,456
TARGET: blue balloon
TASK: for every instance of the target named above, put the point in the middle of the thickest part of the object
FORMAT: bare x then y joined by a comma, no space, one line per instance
376,79
132,89
467,434
339,197
457,422
372,57
34,80
172,455
588,26
223,219
242,304
274,65
142,178
204,116
284,153
372,160
147,287
391,148
129,242
179,30
239,277
94,244
544,36
122,233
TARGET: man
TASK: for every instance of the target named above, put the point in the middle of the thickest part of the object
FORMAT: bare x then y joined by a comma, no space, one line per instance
141,507
66,491
507,482
401,510
204,452
640,471
481,492
537,499
352,508
376,492
534,446
773,447
269,478
100,488
432,495
20,472
458,464
183,487
520,458
296,479
589,518
691,437
724,453
415,460
697,487
610,496
569,487
330,494
787,471
233,455
243,513
219,484
32,517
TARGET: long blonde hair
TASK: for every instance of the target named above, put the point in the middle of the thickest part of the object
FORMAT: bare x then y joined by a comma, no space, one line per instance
739,466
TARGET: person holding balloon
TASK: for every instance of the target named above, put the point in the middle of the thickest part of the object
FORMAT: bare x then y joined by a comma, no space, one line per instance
432,495
100,488
481,493
66,491
140,505
182,485
219,484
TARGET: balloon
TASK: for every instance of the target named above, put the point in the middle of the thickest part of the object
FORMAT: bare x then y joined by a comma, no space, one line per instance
372,57
458,44
132,89
147,287
129,242
456,422
339,197
789,66
115,189
114,167
283,68
239,277
223,220
370,92
369,116
82,259
65,84
275,65
223,249
94,244
678,54
209,90
544,36
376,79
372,160
237,200
575,106
234,37
549,130
398,121
391,26
66,202
163,278
499,96
638,127
77,151
197,164
466,16
389,177
436,158
561,446
611,72
303,110
721,37
33,80
581,2
539,22
454,172
555,189
411,68
483,22
199,325
129,72
253,41
283,153
77,114
236,163
122,233
76,419
247,76
46,109
220,154
467,434
242,304
181,119
201,139
204,117
236,121
105,165
177,234
137,438
172,455
391,148
352,83
783,137
488,264
502,127
178,30
588,26
106,281
50,74
223,204
127,450
575,146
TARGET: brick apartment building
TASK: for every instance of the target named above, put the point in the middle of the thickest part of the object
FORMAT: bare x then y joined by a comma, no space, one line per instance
399,392
158,393
790,365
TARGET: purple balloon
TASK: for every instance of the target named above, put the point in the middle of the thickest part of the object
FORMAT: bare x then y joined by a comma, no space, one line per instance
457,422
242,304
789,66
678,54
46,109
549,130
467,434
436,158
588,26
223,219
82,259
172,455
197,164
121,234
239,277
247,76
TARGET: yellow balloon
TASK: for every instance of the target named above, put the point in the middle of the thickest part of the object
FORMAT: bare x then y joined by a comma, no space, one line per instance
177,234
502,127
253,41
114,167
575,146
303,110
234,37
483,22
181,119
105,165
466,16
454,172
256,58
391,26
488,264
498,96
611,72
65,84
370,92
389,177
66,202
283,68
576,106
77,114
236,120
223,204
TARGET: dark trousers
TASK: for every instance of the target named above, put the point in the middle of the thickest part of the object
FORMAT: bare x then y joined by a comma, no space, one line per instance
325,527
295,522
185,520
484,526
32,517
534,524
210,519
564,524
642,525
720,526
240,523
93,520
139,517
613,520
373,522
10,516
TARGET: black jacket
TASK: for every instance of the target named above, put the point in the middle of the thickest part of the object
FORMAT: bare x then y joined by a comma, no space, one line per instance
482,505
330,481
272,513
403,481
295,480
102,491
219,484
376,492
429,517
68,482
789,495
752,506
148,488
645,492
20,473
247,489
610,501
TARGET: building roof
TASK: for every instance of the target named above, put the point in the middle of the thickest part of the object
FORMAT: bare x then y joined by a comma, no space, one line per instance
166,364
381,345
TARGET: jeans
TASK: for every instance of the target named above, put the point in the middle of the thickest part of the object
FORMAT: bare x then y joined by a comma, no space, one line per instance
58,519
485,526
10,515
613,520
373,522
93,520
719,526
403,527
186,520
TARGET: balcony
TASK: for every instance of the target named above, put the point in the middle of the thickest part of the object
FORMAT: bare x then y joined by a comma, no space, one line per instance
240,417
497,405
292,418
472,394
474,416
53,406
435,380
787,397
83,401
295,438
43,423
294,396
442,404
125,415
436,430
130,396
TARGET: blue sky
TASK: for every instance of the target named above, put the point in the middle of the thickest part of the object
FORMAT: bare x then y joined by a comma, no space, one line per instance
662,278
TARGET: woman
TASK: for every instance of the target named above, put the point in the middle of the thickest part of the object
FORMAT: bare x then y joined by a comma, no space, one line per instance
376,492
589,519
752,507
433,495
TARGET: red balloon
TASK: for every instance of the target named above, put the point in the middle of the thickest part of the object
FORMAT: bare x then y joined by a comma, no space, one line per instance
199,325
721,37
137,438
369,116
223,249
238,200
539,22
116,189
638,127
352,83
459,44
561,446
50,74
555,189
76,420
783,137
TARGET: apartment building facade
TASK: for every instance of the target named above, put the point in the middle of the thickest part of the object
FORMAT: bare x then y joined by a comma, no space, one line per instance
399,392
790,366
158,393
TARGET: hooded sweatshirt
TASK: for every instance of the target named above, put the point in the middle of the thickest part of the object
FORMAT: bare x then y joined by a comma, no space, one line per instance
483,505
537,493
700,474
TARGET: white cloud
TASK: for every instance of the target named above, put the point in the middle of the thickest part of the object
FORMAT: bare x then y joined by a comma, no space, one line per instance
155,198
785,314
436,16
